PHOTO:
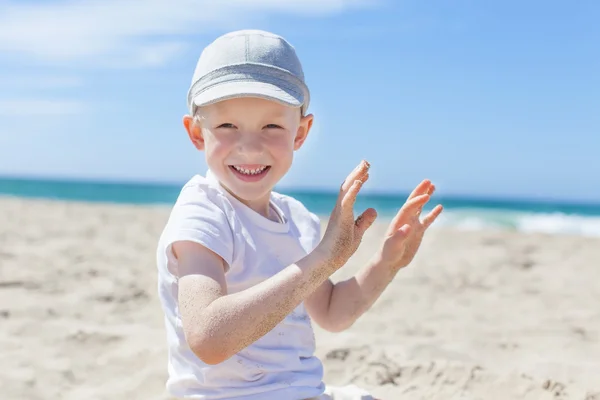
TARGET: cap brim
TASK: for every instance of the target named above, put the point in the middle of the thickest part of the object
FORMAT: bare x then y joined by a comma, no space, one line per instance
233,90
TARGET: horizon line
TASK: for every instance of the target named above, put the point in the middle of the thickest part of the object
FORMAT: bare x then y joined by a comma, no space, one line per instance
299,189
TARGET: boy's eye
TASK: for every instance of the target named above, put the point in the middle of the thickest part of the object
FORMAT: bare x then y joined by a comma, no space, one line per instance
226,125
273,126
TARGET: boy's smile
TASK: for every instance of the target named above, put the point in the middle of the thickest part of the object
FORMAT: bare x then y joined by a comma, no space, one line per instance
249,144
250,172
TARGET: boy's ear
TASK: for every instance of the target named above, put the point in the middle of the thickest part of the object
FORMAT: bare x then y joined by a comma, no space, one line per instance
303,130
194,131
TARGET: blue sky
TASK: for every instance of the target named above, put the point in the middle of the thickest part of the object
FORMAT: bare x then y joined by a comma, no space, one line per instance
487,98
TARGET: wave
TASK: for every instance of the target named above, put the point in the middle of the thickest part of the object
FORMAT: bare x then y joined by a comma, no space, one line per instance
553,223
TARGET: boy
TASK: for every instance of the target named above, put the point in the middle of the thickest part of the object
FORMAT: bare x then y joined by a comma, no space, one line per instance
243,270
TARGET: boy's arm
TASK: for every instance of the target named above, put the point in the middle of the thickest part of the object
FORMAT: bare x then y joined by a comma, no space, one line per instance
216,324
337,307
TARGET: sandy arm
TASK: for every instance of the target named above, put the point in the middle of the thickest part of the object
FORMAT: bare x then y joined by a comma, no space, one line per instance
335,307
212,318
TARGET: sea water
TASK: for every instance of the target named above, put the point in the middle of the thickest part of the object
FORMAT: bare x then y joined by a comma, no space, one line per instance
462,212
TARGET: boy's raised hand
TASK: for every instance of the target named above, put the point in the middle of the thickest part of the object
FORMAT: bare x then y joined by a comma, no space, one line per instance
405,233
344,233
403,237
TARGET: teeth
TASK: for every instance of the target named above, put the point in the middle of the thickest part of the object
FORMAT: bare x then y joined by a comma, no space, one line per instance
249,171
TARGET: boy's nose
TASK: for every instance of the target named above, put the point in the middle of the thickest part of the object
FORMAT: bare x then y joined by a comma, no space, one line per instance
250,147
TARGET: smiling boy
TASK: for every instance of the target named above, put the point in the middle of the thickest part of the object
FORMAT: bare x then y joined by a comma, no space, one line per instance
243,270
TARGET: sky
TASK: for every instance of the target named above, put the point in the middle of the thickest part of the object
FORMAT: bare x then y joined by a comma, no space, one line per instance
494,99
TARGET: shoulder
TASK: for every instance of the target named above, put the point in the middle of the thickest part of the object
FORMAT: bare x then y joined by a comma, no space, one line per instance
202,214
201,196
200,189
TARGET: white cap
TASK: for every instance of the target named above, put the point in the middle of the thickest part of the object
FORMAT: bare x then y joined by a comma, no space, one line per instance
249,63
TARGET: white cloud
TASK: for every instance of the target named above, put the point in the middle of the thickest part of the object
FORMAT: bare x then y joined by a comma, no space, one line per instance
132,32
39,107
143,55
115,34
38,81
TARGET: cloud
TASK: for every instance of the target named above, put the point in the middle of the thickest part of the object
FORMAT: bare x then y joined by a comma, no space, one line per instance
38,81
39,107
114,34
132,32
142,55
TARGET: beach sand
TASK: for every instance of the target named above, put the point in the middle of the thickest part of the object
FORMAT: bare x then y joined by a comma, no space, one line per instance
478,315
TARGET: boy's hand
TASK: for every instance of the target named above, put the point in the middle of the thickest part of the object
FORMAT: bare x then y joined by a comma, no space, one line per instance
344,233
406,230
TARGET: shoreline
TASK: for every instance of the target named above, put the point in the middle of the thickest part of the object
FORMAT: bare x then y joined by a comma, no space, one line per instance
440,225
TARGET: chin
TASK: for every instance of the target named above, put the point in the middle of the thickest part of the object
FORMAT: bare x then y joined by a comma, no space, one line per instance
250,196
248,191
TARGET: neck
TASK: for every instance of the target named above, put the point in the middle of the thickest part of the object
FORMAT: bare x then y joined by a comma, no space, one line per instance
260,206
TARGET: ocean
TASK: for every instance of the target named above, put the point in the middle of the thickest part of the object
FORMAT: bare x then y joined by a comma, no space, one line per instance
462,212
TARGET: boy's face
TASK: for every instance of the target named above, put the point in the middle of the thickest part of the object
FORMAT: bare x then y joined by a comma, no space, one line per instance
249,143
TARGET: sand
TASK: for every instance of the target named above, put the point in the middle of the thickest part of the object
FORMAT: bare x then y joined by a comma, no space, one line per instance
478,315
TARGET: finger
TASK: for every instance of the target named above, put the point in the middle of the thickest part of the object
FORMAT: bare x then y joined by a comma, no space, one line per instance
365,220
414,206
431,189
409,209
422,188
432,216
360,172
416,202
349,198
